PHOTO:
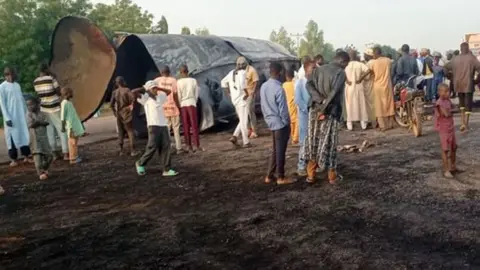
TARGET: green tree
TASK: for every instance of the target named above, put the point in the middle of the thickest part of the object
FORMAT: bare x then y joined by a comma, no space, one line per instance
313,42
185,31
122,15
203,31
283,38
26,27
388,50
161,27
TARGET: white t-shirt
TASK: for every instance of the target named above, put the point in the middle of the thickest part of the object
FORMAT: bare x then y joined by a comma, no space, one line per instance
187,91
154,109
237,87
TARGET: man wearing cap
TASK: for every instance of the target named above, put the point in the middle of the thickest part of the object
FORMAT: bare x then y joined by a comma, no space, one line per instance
235,83
251,80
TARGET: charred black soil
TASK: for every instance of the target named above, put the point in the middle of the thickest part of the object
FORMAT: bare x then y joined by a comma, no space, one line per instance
391,211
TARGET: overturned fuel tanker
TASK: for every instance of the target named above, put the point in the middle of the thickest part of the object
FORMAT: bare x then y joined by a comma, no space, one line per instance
77,42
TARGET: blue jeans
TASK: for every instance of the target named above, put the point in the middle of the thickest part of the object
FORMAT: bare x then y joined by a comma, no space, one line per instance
436,82
431,91
302,133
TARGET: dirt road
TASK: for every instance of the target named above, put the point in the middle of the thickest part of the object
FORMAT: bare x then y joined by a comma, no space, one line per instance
391,211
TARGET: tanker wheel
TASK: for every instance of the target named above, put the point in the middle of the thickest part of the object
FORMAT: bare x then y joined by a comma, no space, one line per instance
416,123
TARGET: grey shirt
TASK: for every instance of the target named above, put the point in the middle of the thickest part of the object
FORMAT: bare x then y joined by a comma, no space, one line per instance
39,139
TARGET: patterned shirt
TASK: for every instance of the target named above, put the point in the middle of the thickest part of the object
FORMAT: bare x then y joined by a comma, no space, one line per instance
170,107
47,89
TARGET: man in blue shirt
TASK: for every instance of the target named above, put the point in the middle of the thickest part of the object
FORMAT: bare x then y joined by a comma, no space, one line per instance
275,112
302,97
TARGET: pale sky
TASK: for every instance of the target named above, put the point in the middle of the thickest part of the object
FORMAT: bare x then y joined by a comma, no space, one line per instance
421,23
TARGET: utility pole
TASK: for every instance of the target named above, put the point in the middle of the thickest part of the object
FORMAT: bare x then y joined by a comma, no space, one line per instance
298,36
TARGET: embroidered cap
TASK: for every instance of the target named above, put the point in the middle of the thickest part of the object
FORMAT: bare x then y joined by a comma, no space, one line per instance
150,85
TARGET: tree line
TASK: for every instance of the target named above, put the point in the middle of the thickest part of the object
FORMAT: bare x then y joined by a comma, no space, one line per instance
26,27
311,42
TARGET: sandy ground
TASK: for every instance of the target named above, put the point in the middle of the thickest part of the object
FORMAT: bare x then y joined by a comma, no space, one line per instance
393,210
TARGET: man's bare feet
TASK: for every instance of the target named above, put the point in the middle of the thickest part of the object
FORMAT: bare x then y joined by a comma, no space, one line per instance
43,176
13,163
448,174
253,135
268,180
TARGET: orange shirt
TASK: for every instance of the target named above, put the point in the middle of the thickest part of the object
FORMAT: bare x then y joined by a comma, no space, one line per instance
170,107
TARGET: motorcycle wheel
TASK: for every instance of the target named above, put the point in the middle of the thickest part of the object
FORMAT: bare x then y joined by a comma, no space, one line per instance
401,116
417,120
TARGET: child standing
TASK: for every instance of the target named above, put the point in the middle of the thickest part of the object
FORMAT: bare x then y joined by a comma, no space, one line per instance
446,129
41,150
158,133
289,88
71,124
122,107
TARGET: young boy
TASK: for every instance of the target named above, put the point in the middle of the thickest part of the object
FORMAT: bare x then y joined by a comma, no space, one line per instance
289,88
158,134
188,90
42,152
446,129
71,124
122,107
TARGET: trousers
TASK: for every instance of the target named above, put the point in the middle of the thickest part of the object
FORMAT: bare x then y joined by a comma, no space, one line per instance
190,121
158,141
242,127
302,134
173,123
251,112
124,130
73,148
279,148
55,128
13,152
42,162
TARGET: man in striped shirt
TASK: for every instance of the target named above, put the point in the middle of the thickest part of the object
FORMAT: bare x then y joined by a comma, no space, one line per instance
47,89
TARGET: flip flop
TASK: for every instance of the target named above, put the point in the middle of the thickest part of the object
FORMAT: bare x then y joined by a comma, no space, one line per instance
170,173
140,169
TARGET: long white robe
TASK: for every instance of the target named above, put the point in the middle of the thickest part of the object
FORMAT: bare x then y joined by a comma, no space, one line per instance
356,98
14,109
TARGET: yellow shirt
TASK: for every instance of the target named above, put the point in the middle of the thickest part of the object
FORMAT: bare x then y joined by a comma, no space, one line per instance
289,88
251,77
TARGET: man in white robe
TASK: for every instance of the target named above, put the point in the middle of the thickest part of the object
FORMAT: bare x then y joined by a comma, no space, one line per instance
14,112
356,98
235,83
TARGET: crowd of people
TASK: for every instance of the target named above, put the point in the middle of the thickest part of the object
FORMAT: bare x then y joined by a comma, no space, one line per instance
305,107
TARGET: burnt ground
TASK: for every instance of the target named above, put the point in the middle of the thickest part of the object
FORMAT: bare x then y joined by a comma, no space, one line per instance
393,210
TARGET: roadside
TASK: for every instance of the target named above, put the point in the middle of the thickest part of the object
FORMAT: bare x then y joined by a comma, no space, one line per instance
100,129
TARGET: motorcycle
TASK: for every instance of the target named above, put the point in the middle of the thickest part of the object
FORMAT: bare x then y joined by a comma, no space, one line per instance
409,101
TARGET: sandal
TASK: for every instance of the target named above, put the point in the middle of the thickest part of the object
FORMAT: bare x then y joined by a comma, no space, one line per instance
285,181
463,128
311,181
140,169
170,173
43,176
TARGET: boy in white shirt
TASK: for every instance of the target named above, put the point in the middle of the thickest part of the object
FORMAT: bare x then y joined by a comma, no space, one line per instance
187,92
235,83
158,134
